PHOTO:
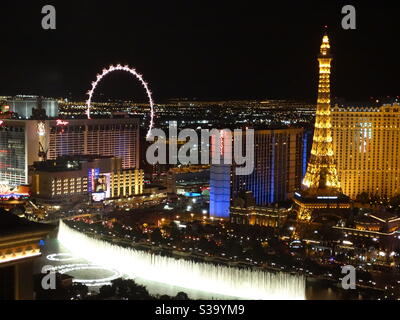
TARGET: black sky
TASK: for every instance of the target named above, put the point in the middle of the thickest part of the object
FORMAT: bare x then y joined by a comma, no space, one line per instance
204,49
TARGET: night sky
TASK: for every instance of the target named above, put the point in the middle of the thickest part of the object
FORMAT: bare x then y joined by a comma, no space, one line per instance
198,49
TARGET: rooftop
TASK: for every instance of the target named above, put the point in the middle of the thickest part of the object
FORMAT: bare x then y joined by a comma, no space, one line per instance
66,163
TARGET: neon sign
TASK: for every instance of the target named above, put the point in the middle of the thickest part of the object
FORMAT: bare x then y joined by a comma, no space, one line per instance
61,122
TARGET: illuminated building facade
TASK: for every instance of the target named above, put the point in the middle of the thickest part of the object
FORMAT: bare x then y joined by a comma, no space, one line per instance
13,157
19,247
378,226
261,216
220,190
220,178
366,142
76,177
106,137
321,188
23,142
278,168
126,183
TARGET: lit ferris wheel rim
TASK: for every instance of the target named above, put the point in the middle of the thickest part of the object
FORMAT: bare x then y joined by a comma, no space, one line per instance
132,71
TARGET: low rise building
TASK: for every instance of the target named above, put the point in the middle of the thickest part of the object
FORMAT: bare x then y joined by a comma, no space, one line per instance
245,211
73,177
262,216
383,228
19,247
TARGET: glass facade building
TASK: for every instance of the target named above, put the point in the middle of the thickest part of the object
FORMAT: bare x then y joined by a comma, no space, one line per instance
278,166
13,162
278,170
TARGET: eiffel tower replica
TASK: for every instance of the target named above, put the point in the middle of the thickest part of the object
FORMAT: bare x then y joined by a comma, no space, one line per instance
320,192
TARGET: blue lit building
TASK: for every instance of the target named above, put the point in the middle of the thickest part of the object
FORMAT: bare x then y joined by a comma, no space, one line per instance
307,144
278,166
220,190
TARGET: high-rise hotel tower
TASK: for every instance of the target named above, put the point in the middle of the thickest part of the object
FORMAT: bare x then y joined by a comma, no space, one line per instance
22,142
366,142
278,168
320,192
278,164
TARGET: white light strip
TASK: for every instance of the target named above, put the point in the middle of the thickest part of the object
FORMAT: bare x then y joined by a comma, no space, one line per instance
61,257
68,268
20,257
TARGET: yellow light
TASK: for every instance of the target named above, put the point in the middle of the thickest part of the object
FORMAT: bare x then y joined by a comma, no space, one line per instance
19,257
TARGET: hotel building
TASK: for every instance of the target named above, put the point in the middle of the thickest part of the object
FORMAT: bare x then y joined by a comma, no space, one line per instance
75,177
278,166
23,105
279,162
261,216
366,144
220,190
22,142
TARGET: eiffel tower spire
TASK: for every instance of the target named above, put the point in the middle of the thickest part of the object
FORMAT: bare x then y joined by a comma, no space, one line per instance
321,169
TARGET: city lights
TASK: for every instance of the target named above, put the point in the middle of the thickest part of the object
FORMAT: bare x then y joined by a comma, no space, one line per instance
267,169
